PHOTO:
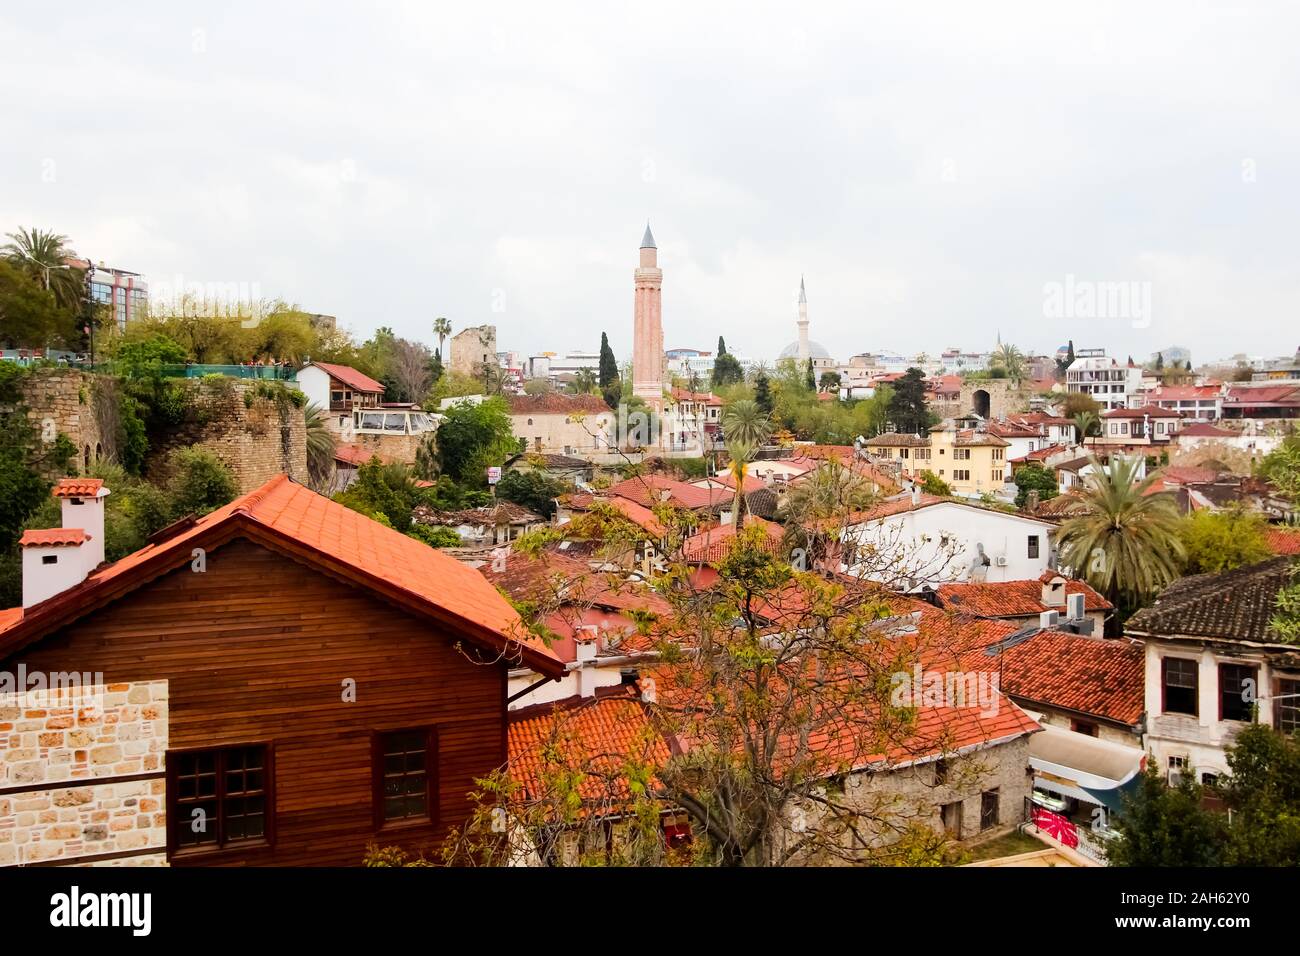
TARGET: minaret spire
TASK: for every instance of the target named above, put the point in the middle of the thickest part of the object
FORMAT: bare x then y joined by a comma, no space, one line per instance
805,351
647,327
648,240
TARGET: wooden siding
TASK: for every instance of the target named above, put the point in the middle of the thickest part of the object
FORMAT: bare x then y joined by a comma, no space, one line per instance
257,649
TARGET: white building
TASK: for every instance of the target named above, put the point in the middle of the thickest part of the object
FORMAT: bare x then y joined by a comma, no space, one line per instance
914,540
1214,665
1106,380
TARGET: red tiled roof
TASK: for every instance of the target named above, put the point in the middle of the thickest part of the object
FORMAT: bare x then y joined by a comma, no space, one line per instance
53,538
77,487
1146,411
597,736
712,544
1205,430
1021,598
1089,675
637,514
1286,395
350,377
556,403
1040,454
282,514
1183,393
728,480
355,454
1283,540
1186,474
1013,430
650,490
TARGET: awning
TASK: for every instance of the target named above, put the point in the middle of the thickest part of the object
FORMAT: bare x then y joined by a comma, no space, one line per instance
1086,768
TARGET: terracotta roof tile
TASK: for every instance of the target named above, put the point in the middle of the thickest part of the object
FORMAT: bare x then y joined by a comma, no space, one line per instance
1230,605
53,537
1283,540
712,544
1021,598
650,490
77,487
350,377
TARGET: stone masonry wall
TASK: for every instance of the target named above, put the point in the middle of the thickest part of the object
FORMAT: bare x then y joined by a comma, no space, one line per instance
257,436
80,405
52,751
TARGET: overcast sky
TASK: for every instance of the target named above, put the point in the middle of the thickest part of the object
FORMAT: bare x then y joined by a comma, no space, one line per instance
931,168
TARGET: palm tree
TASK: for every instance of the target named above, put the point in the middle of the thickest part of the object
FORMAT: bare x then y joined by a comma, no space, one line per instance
1011,360
1123,541
1087,423
43,255
745,422
442,329
584,382
320,447
820,501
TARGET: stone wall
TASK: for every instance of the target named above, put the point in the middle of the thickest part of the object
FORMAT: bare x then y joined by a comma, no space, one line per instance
81,405
1003,398
53,749
257,436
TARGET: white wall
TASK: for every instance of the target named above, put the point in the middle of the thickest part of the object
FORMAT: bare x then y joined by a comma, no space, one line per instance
315,384
912,544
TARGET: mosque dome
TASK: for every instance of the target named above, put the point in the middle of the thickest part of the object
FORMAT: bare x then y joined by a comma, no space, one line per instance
815,350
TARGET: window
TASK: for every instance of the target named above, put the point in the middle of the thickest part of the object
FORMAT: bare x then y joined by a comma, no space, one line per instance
961,474
1286,706
1033,546
940,772
923,453
1179,685
902,453
1238,691
219,797
1084,727
988,809
1177,765
405,765
961,454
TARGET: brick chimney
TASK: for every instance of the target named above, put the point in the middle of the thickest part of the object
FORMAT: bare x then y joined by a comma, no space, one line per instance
56,559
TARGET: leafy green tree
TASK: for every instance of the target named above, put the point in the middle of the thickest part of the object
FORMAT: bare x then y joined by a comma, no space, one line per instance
907,408
932,484
745,422
320,447
1223,540
200,482
442,329
1034,478
30,316
584,382
829,382
383,492
810,379
1167,826
608,364
145,359
763,393
43,256
1011,361
726,370
532,489
1282,467
435,536
474,437
1286,616
1123,541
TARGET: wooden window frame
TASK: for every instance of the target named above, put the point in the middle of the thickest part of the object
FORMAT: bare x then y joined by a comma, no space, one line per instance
431,816
1164,686
220,849
1254,671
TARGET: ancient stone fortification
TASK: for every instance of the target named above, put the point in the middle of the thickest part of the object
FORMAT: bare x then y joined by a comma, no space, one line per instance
255,432
80,405
990,398
55,748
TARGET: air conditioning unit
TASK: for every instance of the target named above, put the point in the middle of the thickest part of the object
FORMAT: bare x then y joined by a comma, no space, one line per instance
1074,607
1048,619
1001,561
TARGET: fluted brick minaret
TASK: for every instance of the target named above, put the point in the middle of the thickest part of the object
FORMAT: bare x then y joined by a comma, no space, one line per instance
648,329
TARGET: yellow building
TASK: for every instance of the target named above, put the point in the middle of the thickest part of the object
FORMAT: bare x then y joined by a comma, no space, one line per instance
970,460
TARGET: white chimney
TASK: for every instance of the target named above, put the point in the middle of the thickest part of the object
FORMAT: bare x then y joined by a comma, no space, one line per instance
1054,591
916,494
56,559
53,561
